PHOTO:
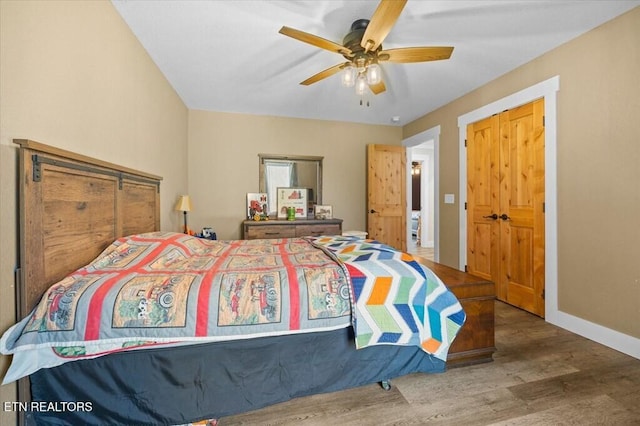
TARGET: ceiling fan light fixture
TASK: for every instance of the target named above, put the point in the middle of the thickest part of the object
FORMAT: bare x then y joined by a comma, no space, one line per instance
374,74
362,48
349,76
361,84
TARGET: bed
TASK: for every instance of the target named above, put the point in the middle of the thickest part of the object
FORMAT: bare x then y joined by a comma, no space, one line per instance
69,201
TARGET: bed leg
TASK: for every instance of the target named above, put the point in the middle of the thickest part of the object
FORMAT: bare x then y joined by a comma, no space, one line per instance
386,385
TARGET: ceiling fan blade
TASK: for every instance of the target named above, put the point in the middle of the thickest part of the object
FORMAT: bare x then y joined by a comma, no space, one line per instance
415,54
377,88
315,41
324,74
381,23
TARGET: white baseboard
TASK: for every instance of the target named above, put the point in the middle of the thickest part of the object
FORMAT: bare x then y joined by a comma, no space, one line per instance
613,339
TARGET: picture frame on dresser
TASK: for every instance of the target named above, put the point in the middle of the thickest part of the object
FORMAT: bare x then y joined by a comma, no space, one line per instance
257,203
323,212
292,197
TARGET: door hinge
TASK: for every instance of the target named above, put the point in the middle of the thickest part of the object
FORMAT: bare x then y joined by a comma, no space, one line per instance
466,268
465,205
465,143
544,207
17,278
544,118
543,294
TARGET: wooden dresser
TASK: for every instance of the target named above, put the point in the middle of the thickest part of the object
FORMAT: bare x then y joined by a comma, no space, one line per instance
268,229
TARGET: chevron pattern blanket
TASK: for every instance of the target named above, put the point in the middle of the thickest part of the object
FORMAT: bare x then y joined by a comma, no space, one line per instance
397,300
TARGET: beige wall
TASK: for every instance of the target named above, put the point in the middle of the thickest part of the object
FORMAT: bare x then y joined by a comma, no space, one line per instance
223,163
74,76
598,168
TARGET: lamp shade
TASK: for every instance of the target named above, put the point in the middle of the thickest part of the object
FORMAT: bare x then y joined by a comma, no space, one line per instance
349,76
374,75
361,84
184,203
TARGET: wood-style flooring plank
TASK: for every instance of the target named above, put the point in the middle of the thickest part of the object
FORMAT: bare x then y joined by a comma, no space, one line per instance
541,375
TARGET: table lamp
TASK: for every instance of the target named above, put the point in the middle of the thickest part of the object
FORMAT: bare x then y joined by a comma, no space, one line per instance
184,205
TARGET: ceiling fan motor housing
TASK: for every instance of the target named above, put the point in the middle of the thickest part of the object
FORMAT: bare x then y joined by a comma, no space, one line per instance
352,40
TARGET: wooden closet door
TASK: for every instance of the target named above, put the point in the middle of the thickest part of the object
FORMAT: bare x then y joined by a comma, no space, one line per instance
505,204
483,199
522,242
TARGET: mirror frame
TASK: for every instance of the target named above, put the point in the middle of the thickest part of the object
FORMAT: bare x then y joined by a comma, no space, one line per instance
302,158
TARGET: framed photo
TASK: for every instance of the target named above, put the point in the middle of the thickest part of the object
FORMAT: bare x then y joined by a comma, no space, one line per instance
324,212
257,204
292,197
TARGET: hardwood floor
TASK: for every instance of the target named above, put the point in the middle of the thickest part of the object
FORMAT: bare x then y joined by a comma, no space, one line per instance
541,375
414,248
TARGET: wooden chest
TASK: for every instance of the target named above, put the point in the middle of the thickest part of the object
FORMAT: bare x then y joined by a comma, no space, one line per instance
475,343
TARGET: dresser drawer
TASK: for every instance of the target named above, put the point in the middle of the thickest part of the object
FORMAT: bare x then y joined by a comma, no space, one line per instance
291,229
317,230
269,231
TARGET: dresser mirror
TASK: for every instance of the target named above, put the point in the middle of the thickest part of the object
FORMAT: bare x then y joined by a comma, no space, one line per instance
287,171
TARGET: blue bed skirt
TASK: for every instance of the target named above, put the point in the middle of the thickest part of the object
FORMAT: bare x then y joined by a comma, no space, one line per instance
191,383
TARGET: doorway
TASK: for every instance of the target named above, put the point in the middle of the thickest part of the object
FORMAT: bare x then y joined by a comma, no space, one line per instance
420,218
423,150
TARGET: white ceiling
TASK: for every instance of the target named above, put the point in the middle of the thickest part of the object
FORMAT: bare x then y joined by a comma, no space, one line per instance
228,55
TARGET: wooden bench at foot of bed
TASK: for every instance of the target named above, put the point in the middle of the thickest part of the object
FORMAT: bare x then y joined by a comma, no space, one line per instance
475,343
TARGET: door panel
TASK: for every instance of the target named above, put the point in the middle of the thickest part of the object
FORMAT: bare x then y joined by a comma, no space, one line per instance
482,249
386,195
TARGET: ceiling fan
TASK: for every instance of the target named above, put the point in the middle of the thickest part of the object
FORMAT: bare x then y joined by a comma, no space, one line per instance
362,47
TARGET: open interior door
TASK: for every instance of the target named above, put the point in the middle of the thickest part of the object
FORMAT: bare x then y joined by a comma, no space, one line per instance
386,195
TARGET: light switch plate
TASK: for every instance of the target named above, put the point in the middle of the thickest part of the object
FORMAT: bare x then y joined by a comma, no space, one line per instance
449,198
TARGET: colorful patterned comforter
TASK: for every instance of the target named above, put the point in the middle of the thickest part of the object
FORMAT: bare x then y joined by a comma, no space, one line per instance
164,289
168,289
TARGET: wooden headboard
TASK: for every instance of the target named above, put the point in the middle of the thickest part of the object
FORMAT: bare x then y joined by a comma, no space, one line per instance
71,208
